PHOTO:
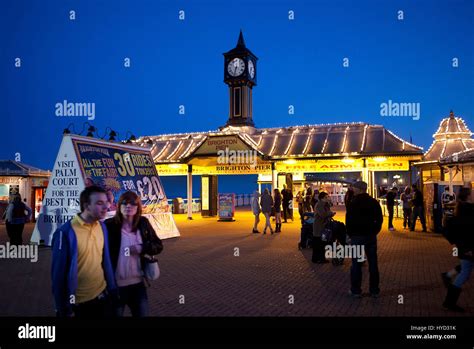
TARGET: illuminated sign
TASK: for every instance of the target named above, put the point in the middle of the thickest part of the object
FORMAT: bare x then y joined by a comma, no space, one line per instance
205,193
182,169
388,165
213,144
298,166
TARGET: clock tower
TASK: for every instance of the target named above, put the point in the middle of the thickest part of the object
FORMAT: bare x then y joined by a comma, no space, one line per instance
240,74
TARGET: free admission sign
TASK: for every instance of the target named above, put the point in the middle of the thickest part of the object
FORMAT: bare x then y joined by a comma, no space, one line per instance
84,161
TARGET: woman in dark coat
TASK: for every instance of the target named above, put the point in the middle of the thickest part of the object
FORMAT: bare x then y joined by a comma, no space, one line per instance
277,206
322,214
133,243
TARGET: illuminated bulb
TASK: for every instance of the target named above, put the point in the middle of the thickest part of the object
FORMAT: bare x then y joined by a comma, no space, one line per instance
348,160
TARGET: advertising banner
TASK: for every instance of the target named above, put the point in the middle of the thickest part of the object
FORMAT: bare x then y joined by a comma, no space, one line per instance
117,168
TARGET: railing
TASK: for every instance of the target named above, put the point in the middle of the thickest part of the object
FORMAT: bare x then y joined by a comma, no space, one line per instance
196,205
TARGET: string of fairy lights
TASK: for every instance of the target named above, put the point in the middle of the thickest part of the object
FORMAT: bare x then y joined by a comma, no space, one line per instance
166,147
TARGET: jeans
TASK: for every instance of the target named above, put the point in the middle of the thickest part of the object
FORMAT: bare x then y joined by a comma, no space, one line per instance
418,211
390,216
406,217
99,307
370,247
135,297
466,268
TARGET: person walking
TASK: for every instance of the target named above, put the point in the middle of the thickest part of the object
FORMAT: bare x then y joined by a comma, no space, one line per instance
418,209
133,244
266,203
287,199
277,199
300,201
314,198
464,241
256,211
363,222
322,214
391,200
406,202
307,200
82,276
16,215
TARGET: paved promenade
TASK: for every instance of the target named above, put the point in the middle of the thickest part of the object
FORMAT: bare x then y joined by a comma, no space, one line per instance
202,270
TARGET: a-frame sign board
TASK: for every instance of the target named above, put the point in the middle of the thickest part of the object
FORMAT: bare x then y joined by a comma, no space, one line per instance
84,161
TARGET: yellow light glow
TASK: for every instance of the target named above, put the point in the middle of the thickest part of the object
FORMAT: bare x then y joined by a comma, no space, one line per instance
380,158
289,162
175,165
348,160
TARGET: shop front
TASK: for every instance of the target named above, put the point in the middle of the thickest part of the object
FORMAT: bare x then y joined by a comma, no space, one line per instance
28,181
448,163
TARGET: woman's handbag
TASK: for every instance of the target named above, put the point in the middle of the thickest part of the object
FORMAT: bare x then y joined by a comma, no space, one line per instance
151,268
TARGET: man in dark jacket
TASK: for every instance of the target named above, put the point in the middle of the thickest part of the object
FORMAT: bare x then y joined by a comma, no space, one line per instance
418,209
287,198
363,222
391,196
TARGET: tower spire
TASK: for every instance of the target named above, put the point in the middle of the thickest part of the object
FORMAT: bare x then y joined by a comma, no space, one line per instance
241,42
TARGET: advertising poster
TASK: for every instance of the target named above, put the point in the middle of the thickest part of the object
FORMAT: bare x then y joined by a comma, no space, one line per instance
117,168
226,207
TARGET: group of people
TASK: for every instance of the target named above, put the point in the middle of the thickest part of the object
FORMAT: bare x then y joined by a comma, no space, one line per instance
413,207
363,223
307,199
272,206
98,268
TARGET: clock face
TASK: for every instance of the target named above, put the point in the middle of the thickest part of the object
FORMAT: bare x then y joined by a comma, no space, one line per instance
236,67
251,69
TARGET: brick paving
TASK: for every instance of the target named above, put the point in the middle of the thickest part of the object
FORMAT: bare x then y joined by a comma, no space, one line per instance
200,268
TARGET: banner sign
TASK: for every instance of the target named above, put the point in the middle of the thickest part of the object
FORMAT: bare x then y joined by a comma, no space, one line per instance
182,169
117,168
388,165
295,166
213,144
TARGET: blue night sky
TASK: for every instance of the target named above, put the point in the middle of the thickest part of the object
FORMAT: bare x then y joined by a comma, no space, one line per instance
176,62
